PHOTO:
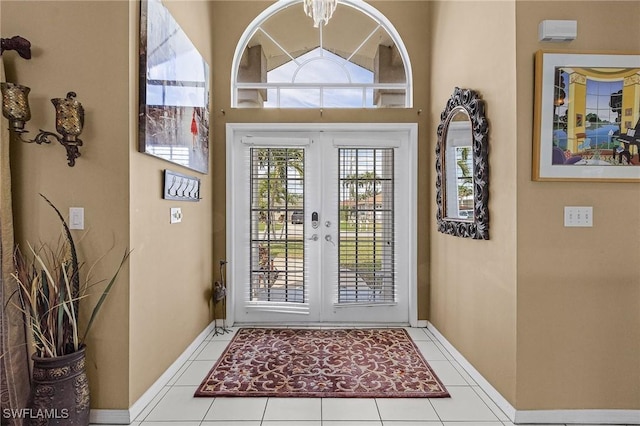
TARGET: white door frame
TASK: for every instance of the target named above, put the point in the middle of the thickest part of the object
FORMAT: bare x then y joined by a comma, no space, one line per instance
411,131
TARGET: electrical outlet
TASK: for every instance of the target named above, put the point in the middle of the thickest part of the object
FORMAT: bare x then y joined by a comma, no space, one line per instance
176,215
578,216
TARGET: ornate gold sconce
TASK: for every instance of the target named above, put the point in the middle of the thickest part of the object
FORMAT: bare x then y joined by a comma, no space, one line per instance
69,119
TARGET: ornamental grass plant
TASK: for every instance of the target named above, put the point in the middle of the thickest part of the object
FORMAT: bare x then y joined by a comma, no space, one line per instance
49,292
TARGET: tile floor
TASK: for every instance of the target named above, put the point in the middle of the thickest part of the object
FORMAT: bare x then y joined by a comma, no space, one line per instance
469,405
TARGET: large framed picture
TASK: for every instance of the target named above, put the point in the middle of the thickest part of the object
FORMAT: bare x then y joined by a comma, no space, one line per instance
586,117
174,91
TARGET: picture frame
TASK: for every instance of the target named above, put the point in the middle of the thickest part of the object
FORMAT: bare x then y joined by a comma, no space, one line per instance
174,91
579,131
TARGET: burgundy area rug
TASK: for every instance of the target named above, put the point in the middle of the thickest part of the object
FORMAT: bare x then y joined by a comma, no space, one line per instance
356,363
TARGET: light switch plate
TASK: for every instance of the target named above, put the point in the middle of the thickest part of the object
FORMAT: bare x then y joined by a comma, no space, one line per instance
76,217
176,215
578,216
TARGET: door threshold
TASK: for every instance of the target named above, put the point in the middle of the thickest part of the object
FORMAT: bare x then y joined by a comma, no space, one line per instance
319,325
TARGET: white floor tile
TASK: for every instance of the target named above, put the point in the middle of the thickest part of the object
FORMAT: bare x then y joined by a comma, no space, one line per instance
181,370
430,351
199,349
104,424
406,409
492,405
195,373
509,423
349,409
145,412
401,423
464,405
417,334
469,405
444,351
293,409
237,409
178,404
223,336
211,351
447,373
463,373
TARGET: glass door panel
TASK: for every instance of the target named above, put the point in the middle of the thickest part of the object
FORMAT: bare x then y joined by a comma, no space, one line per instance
365,243
277,225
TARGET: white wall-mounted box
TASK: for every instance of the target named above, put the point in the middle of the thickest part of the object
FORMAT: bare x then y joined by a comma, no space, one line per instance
557,30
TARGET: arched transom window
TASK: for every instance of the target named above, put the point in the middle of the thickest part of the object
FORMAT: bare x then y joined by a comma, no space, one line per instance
357,60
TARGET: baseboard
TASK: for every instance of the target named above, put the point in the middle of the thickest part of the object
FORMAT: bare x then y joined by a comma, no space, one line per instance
582,417
112,417
125,417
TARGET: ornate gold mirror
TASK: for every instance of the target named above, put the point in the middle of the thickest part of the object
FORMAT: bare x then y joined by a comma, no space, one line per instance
462,167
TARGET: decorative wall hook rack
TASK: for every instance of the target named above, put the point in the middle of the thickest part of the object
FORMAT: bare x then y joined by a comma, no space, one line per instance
180,187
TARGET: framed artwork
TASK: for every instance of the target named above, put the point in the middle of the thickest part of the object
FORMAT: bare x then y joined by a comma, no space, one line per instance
579,132
174,91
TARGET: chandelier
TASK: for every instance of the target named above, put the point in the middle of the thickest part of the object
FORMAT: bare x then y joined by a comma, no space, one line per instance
320,10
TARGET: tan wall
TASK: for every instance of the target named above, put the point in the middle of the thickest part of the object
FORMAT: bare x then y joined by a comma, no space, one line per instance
564,291
81,47
230,18
473,287
578,289
172,272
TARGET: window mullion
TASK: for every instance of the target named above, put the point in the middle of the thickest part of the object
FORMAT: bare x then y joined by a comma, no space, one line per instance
278,44
363,43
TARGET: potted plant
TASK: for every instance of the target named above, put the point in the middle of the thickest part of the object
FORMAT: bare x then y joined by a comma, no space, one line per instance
48,294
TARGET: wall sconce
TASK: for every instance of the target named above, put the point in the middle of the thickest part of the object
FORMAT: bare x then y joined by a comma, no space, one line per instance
69,119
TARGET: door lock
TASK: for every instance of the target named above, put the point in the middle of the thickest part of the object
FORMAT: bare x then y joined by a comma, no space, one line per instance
314,220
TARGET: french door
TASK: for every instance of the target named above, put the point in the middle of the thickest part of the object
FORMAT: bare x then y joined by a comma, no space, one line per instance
320,225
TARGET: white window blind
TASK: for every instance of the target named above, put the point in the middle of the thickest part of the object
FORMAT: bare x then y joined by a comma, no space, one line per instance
366,237
276,247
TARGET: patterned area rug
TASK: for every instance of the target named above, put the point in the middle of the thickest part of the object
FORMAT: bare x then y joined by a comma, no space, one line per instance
356,363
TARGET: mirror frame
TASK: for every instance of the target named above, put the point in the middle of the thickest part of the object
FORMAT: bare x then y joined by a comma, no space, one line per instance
473,105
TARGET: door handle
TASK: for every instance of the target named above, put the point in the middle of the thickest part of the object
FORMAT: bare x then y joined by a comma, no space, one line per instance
314,237
329,239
